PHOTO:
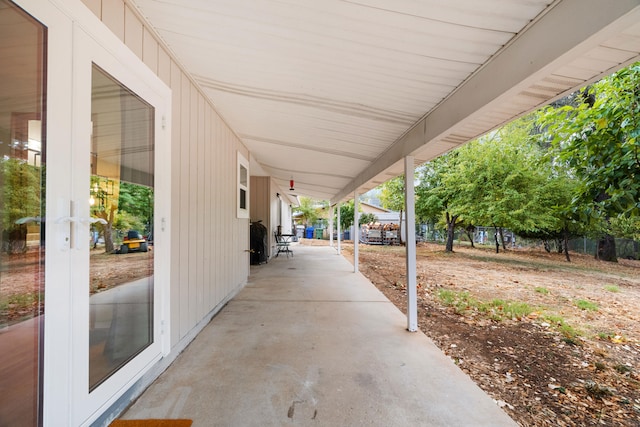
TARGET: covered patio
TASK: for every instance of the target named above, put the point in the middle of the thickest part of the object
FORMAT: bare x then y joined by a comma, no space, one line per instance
308,342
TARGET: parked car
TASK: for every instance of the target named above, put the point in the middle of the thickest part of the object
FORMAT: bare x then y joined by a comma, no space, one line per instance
134,241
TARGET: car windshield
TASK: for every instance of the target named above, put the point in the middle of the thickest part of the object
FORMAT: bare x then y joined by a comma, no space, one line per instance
132,234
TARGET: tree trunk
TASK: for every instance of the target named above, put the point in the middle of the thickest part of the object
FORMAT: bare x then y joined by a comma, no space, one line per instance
504,247
108,228
108,238
470,236
606,246
495,236
566,244
559,243
451,226
547,248
606,249
400,229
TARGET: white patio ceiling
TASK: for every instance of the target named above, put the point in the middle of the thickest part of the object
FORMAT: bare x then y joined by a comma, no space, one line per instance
334,93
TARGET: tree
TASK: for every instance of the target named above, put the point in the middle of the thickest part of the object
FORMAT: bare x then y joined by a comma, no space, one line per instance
437,193
392,196
598,137
367,218
346,216
137,201
308,211
502,180
21,201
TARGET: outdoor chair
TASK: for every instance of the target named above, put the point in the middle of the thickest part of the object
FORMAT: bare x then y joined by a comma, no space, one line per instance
282,244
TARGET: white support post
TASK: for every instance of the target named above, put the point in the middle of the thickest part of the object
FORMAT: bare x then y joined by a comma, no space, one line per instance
356,230
410,242
338,226
331,226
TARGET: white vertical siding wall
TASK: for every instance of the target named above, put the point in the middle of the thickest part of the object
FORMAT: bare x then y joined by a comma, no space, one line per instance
259,200
209,258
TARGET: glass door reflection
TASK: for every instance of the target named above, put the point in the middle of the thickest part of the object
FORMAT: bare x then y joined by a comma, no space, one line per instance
121,200
22,191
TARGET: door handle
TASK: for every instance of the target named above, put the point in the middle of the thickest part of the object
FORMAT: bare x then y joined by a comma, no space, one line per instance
68,219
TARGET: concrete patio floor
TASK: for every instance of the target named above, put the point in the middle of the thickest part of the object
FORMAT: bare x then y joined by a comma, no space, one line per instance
308,342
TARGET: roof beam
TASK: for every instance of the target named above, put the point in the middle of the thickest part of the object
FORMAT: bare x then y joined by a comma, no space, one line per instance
561,35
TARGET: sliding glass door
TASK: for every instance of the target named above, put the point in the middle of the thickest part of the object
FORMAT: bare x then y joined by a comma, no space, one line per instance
83,129
119,234
121,227
22,213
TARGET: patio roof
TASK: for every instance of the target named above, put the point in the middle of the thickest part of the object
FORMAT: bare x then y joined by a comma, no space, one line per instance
334,94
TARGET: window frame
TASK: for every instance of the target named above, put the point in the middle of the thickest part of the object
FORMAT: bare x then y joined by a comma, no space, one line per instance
242,187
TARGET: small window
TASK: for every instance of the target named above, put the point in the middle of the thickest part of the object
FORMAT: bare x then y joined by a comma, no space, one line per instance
243,187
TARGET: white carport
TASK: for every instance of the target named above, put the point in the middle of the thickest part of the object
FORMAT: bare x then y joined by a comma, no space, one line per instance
337,94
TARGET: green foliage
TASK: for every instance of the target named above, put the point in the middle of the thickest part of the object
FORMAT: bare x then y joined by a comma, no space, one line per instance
367,218
597,138
136,203
626,227
542,290
497,309
436,190
392,197
21,201
346,216
508,184
606,335
392,194
20,192
308,210
612,288
501,180
25,302
125,221
586,305
559,323
446,296
512,309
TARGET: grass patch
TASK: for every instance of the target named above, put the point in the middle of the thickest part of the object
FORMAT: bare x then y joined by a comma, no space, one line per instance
542,290
606,336
20,301
512,309
586,305
446,296
460,301
497,309
569,333
623,369
20,306
612,288
596,390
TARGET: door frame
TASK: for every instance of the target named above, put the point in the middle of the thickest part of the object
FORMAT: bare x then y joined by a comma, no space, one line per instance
90,48
75,38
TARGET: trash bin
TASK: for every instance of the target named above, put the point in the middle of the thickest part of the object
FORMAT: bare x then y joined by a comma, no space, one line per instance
319,233
347,235
309,234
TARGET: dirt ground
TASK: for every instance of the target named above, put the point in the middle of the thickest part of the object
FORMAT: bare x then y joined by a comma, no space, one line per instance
573,361
21,277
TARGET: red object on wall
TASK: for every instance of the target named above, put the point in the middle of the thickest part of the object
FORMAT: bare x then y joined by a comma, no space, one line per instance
291,184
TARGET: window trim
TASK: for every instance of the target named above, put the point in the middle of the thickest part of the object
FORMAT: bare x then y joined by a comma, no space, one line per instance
242,211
